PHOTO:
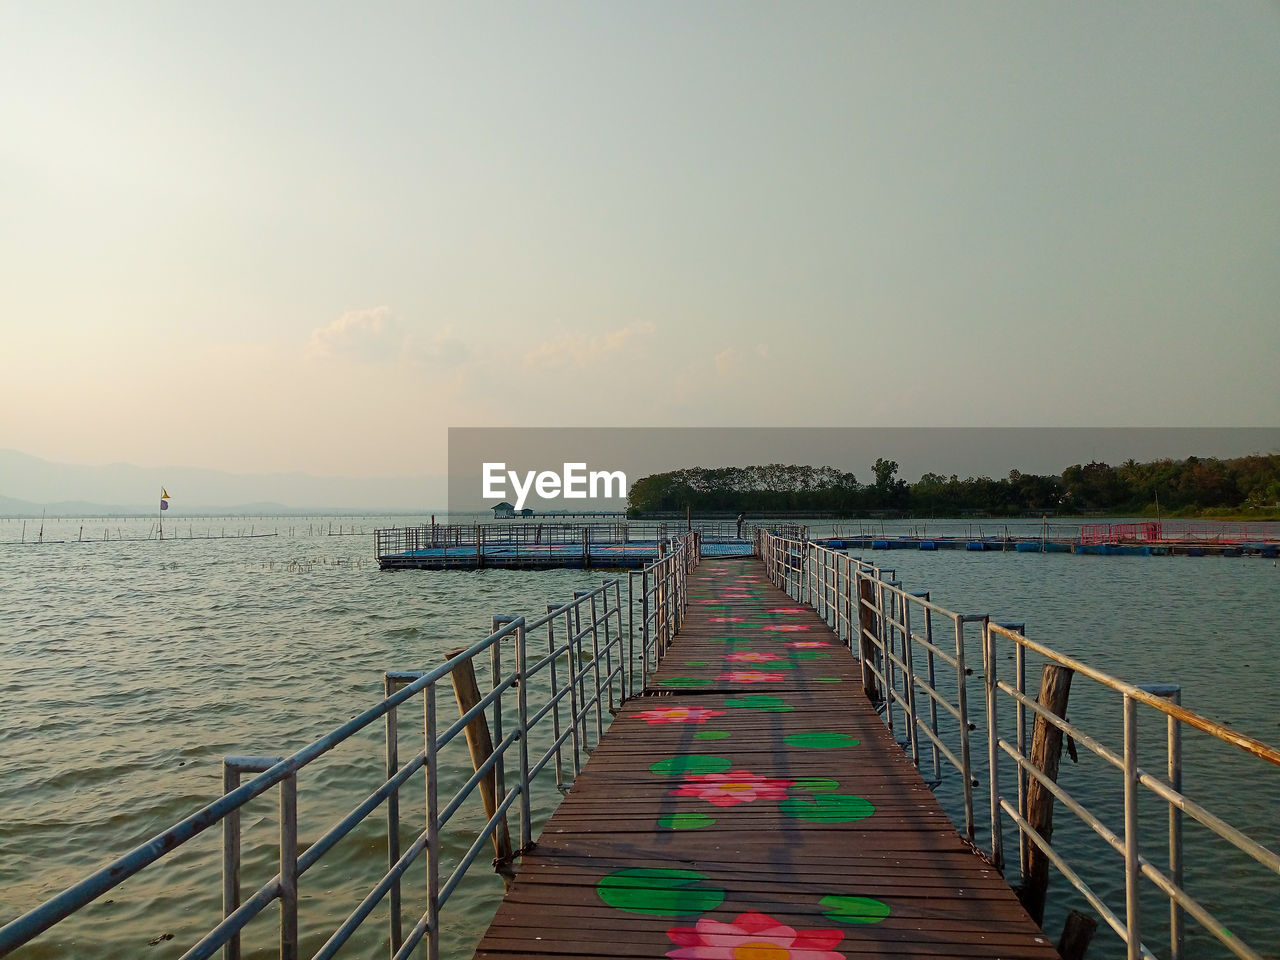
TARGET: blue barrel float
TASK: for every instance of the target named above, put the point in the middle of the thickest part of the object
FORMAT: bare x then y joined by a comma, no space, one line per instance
975,545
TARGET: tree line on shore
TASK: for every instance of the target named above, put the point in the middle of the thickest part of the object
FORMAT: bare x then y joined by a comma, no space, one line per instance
1186,487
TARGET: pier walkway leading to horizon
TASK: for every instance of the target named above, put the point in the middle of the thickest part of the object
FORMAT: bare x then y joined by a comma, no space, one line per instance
753,805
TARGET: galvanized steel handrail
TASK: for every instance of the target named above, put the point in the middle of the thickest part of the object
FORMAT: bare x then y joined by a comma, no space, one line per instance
586,642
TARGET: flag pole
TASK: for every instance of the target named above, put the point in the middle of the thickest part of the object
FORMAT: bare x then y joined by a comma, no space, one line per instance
161,513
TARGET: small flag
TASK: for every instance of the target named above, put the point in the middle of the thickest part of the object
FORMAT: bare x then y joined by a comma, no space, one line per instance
164,499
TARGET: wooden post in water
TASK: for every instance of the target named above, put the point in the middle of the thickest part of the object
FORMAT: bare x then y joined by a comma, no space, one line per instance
866,629
480,743
1046,752
1077,932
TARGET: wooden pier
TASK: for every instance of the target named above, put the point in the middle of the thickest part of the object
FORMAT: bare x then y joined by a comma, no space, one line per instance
754,805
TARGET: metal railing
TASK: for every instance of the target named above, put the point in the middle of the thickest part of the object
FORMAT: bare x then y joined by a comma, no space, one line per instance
438,536
1178,531
1126,840
659,593
912,650
587,670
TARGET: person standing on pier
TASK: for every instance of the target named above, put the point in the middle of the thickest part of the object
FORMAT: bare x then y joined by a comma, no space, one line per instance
741,518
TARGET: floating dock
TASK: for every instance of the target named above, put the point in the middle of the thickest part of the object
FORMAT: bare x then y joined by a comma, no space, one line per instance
1162,548
753,804
544,546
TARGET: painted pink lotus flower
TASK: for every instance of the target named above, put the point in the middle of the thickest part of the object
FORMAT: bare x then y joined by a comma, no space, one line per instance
726,619
807,644
679,715
752,656
787,627
752,676
732,788
752,936
786,610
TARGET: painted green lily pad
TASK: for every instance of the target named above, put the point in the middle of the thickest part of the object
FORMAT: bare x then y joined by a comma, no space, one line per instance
820,740
827,808
810,654
760,701
682,682
829,679
658,892
854,909
816,785
686,821
712,735
690,763
765,665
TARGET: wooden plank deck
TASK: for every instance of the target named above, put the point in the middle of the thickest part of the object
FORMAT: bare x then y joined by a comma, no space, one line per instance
755,808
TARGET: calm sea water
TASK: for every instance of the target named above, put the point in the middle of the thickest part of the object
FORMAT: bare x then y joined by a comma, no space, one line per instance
129,669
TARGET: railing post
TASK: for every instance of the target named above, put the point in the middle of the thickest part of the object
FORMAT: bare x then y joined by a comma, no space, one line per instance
631,632
1132,865
289,867
644,626
496,680
522,708
1020,679
993,748
576,633
660,628
232,767
866,633
433,826
909,679
962,702
889,627
575,732
1176,936
230,858
555,690
595,661
625,679
393,816
932,676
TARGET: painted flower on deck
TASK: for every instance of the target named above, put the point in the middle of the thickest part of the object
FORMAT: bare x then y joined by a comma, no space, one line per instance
752,656
752,676
786,610
726,619
752,936
787,627
732,788
807,644
679,715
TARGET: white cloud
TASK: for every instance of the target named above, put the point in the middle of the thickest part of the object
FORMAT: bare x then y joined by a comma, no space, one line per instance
444,348
579,350
371,335
727,360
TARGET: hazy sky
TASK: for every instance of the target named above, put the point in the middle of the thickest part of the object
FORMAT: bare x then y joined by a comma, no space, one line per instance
307,236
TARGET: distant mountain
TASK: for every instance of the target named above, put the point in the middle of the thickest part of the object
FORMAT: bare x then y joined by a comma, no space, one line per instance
30,485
